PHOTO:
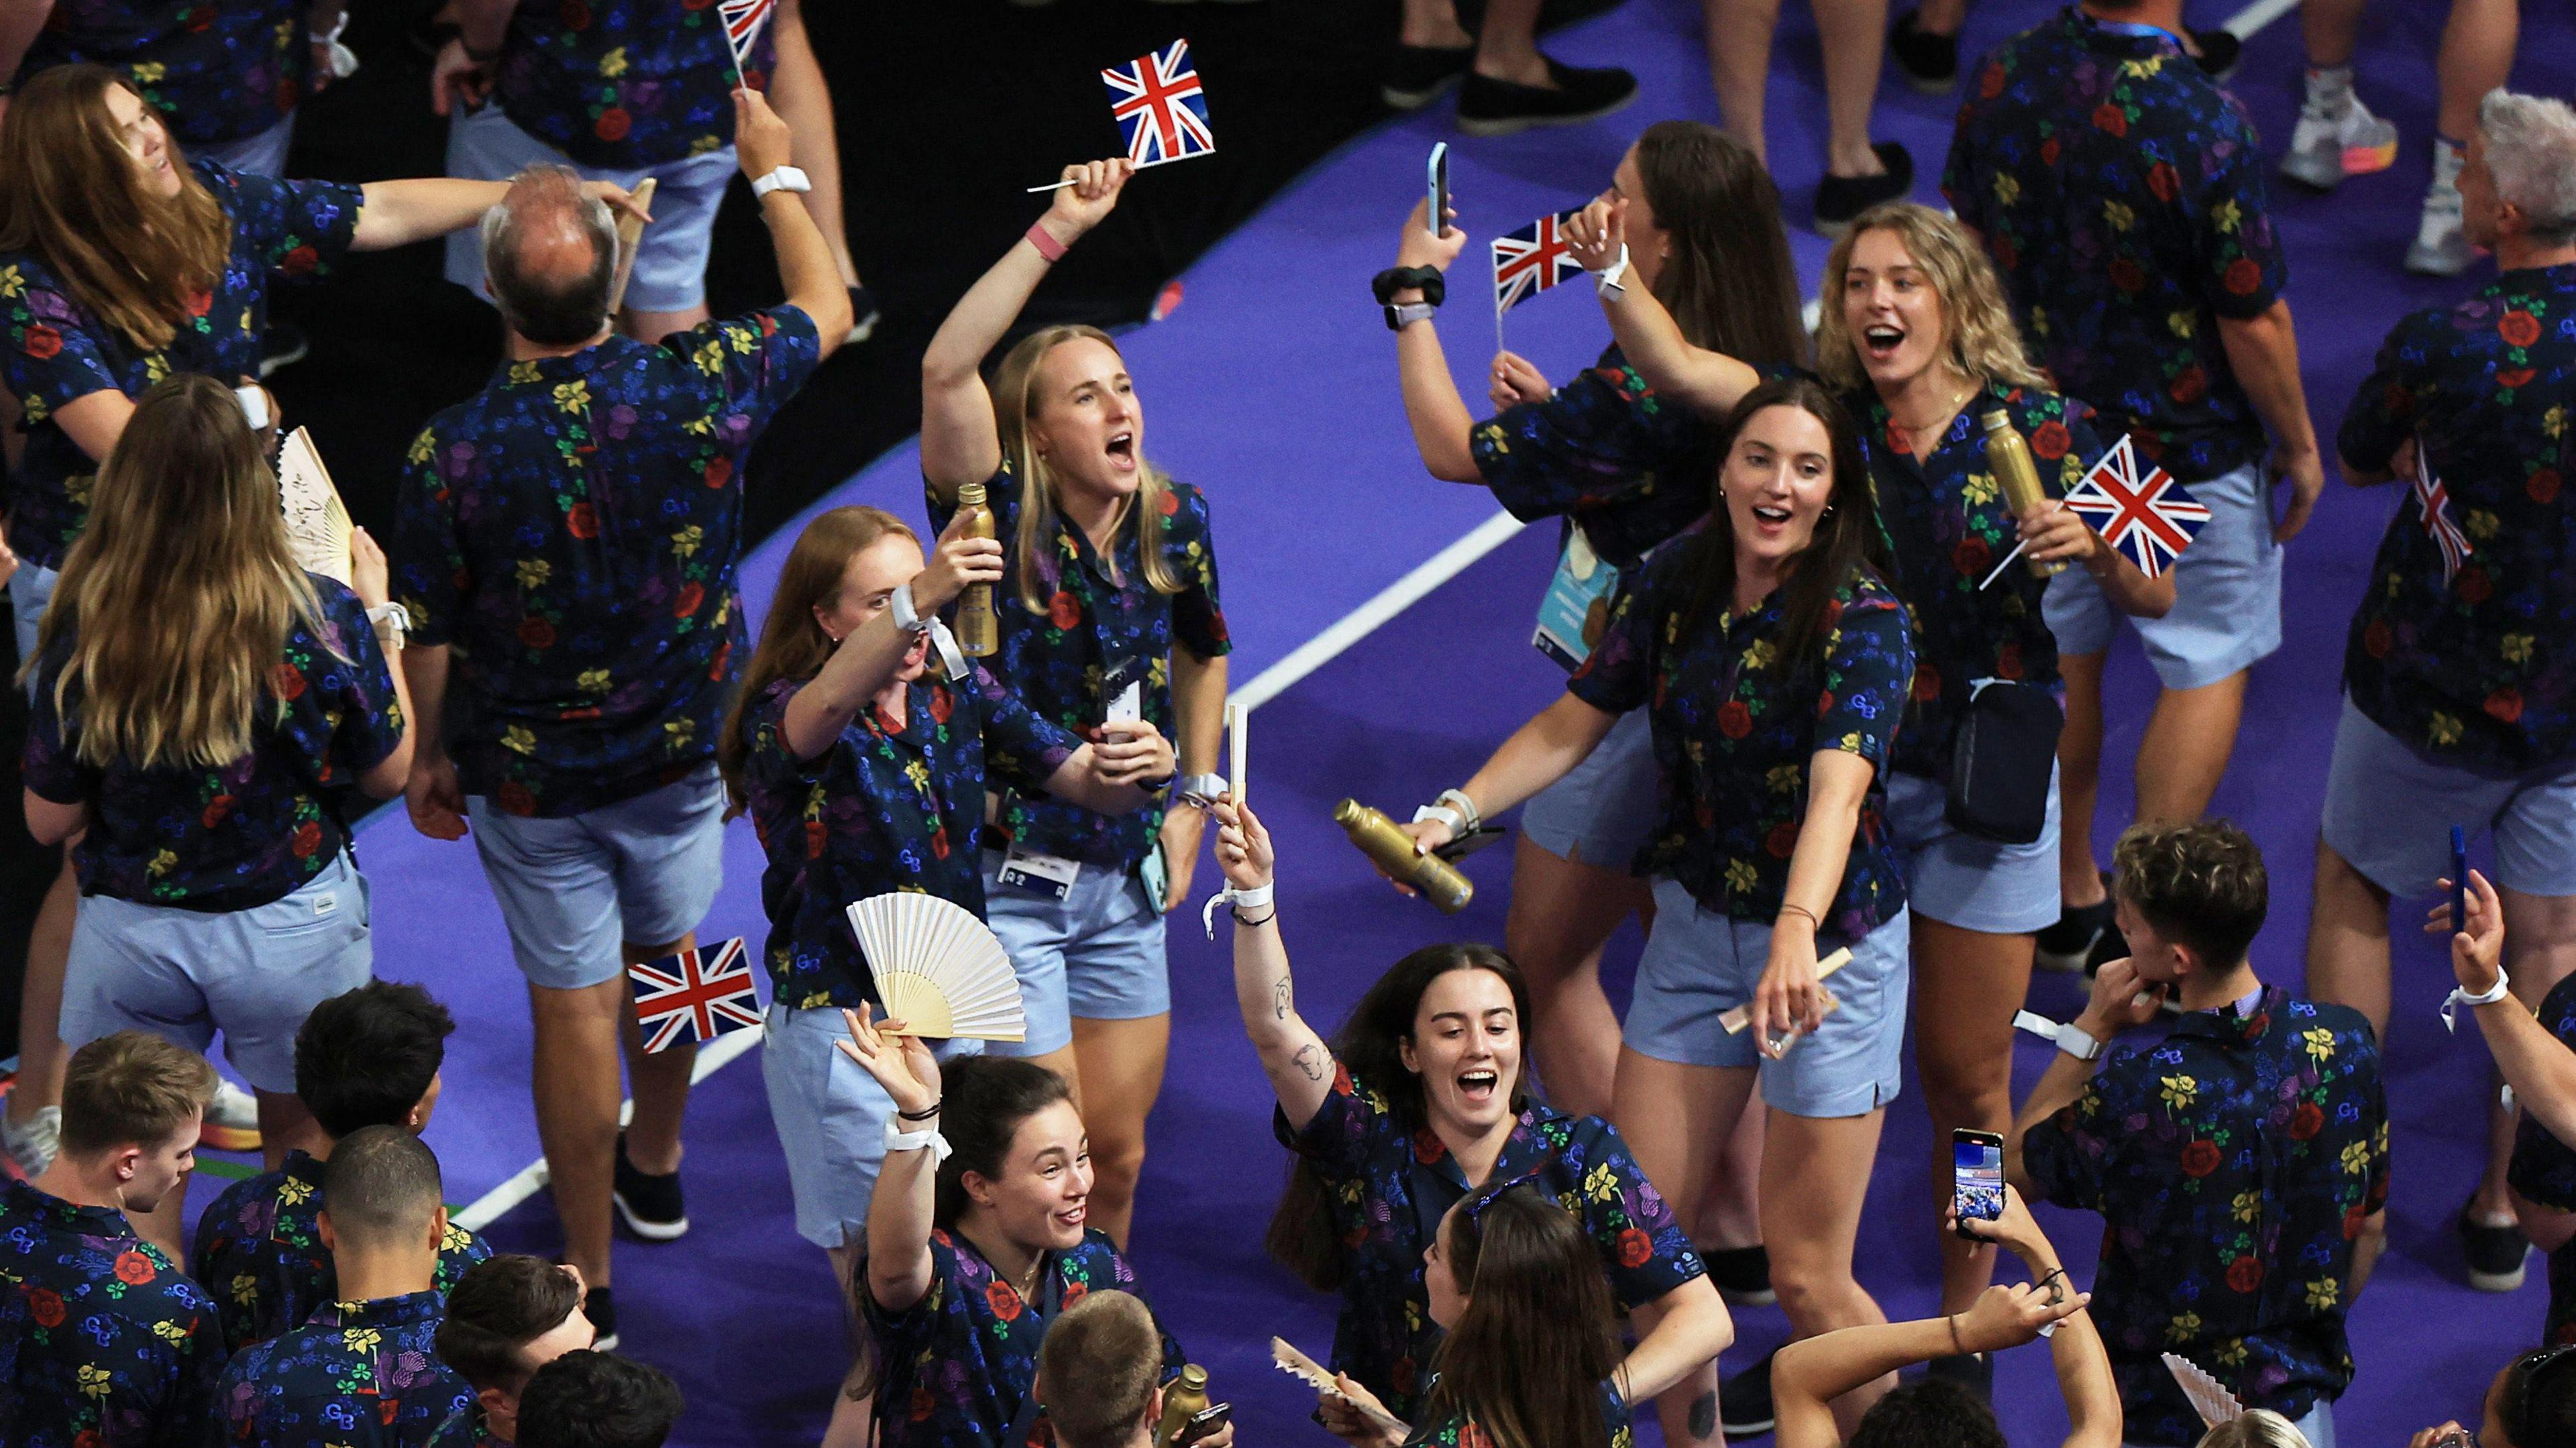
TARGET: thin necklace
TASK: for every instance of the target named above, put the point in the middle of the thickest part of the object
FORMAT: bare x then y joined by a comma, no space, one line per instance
1914,435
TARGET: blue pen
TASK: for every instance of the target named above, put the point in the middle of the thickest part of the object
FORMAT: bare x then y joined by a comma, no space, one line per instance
2459,878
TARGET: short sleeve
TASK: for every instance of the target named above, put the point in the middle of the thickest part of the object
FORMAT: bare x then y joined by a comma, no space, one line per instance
1580,447
2084,445
371,718
756,361
2064,1156
2388,407
2244,267
293,228
1198,621
2544,1168
1018,744
901,1334
1619,674
56,354
1962,175
52,771
1869,671
1338,1140
767,760
1642,1247
430,573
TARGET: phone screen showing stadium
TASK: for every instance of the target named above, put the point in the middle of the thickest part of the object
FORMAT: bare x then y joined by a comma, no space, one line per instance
1977,1168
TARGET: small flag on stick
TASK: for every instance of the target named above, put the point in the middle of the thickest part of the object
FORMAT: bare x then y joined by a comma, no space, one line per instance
742,22
702,992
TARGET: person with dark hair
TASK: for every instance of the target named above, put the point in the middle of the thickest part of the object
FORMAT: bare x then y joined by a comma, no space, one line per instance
1100,1371
1423,1100
108,1344
2240,1166
1773,659
367,1351
979,1237
1529,1346
1109,626
595,1399
506,1317
2531,1403
366,1058
864,766
569,540
2458,700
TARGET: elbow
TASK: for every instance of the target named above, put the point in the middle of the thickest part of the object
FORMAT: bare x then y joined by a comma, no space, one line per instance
2157,601
1456,464
830,311
943,370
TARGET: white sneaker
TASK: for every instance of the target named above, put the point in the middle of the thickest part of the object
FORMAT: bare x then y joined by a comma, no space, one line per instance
32,1144
2337,137
2441,248
232,1119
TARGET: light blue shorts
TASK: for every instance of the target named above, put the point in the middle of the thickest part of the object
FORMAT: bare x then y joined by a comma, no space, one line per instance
260,155
831,1117
2389,811
1601,812
670,262
253,974
1964,881
31,588
574,890
1096,954
1699,965
2227,593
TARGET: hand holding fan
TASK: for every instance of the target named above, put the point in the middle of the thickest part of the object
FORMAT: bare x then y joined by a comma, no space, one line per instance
1285,1357
2208,1396
630,234
939,970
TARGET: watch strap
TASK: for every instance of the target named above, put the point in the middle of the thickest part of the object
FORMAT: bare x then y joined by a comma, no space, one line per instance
2069,1037
782,178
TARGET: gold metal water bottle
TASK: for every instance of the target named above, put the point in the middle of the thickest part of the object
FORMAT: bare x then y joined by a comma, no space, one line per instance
1379,839
2009,459
1184,1397
979,632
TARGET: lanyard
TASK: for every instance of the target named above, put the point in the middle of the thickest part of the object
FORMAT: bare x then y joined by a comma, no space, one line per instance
1050,1301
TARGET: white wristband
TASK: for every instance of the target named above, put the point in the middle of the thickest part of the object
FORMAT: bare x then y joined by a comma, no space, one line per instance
1230,898
1611,280
898,1140
254,406
2071,1038
2459,998
391,613
783,178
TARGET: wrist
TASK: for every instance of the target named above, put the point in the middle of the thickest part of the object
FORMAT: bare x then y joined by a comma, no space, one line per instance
2093,1023
1059,230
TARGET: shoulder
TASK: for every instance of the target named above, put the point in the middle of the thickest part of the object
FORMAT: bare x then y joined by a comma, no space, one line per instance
241,1196
1101,1260
1184,508
226,183
2350,1027
1864,593
2558,1009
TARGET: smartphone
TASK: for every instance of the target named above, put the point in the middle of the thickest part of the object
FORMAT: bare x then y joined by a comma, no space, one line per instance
1977,1172
1439,188
2459,878
1203,1424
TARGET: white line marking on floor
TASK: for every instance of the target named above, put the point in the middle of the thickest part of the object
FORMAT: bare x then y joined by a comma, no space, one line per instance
2254,17
1269,684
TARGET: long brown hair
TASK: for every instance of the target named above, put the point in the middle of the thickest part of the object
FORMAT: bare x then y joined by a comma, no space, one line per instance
1526,1358
181,589
1033,560
1983,342
1729,283
1371,1047
1847,538
71,194
792,644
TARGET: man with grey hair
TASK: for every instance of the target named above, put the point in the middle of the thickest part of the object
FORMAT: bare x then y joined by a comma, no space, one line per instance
2460,674
567,542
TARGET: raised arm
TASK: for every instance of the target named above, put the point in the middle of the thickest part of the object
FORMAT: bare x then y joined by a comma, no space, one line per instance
806,271
2536,1064
19,22
900,1214
2083,1366
1298,1063
869,656
1538,754
1198,707
1809,1374
2119,1000
369,580
1117,777
1708,382
1432,404
960,442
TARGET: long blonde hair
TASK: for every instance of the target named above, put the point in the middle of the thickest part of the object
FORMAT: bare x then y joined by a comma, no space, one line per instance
1984,343
1033,557
792,643
2255,1428
180,591
71,194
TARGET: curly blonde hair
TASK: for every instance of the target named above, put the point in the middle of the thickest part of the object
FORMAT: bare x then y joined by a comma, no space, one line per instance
1984,343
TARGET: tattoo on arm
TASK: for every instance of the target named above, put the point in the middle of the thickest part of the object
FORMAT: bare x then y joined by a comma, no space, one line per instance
1280,997
1703,1416
1310,1059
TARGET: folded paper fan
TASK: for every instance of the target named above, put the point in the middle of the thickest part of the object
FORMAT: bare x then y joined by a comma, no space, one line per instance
317,524
2207,1395
938,969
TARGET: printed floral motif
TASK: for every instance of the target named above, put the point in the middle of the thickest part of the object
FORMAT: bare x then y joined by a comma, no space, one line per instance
622,85
109,1344
1605,452
216,70
259,1250
356,1371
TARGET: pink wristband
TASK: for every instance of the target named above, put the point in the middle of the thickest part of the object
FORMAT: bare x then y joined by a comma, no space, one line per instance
1048,246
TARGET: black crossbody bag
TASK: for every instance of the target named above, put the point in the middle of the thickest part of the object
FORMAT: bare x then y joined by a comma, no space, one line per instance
2003,763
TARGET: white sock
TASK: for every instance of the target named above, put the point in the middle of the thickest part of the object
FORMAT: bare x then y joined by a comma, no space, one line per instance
2330,88
2448,157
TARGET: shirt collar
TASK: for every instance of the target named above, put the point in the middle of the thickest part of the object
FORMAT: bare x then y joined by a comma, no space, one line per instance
303,1166
550,370
1521,1150
2230,1027
381,1312
54,1212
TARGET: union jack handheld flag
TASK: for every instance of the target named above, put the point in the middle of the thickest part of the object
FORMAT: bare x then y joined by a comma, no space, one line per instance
2435,502
705,993
1531,260
2151,519
1160,109
742,22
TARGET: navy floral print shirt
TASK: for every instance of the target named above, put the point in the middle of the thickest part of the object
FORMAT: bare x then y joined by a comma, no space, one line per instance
1098,633
103,1342
259,1252
2121,195
2544,1169
894,804
956,1367
1948,524
624,84
1734,733
573,532
358,1372
216,70
1456,1430
1606,453
53,351
1391,1184
2233,1164
2478,670
250,832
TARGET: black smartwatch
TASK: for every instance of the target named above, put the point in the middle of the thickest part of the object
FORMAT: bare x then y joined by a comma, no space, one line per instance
1428,280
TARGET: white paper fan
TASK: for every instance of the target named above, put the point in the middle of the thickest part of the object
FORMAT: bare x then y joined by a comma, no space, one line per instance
317,525
2208,1396
938,969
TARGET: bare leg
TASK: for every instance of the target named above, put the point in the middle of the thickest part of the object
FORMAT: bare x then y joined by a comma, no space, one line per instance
1434,24
661,1078
2540,951
1853,34
1562,913
1942,17
576,1088
1122,1073
1969,983
2079,781
1730,1215
1507,44
285,1125
1739,64
2329,28
1815,1173
2348,941
41,1056
1675,1119
855,1404
2184,754
653,327
2477,56
797,90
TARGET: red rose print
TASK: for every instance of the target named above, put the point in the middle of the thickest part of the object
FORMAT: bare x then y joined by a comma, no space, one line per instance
2199,1158
2126,276
686,605
308,838
2352,1220
2542,485
1429,1148
286,682
923,1405
943,706
41,342
1076,1291
2049,441
2243,275
2111,118
1734,720
46,1306
1473,1435
198,18
755,78
2505,704
693,4
1824,703
216,809
719,471
939,843
1927,683
1782,842
613,124
2245,1274
1990,82
2048,152
816,836
2190,385
2519,328
1062,611
2007,255
2475,586
1004,1300
575,15
724,655
2008,661
89,1438
2306,1121
583,520
1402,1377
200,304
1634,1247
536,633
1972,557
2164,181
1170,505
286,94
515,799
299,261
2516,378
134,1269
2375,639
